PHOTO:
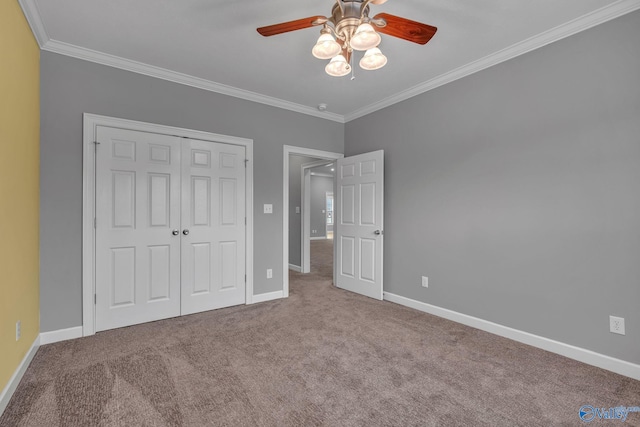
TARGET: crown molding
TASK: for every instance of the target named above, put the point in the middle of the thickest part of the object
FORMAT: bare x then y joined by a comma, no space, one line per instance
599,16
74,51
31,12
604,14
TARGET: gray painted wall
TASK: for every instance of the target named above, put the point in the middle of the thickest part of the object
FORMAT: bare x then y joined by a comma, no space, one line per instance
295,200
71,87
319,187
517,190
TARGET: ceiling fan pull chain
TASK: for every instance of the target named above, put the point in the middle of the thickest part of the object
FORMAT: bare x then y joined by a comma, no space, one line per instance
353,69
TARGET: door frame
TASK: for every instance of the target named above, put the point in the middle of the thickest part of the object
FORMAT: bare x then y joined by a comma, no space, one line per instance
305,244
90,124
300,151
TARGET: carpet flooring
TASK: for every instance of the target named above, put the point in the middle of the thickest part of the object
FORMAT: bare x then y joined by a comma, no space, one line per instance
323,356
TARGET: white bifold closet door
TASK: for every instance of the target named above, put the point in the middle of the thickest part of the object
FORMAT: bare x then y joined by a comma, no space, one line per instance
170,227
213,212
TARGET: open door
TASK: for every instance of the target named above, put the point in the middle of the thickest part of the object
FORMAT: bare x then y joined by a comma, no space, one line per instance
359,223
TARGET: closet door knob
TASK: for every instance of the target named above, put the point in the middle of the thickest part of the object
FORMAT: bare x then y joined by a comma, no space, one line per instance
175,232
185,232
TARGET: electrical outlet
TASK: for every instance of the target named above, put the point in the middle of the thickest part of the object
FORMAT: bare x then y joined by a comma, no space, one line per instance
18,330
268,208
425,282
616,325
269,273
297,209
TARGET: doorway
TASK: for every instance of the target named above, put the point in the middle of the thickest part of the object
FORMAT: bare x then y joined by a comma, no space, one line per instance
323,158
318,179
357,249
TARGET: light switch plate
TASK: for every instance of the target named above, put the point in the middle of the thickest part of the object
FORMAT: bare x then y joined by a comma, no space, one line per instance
268,208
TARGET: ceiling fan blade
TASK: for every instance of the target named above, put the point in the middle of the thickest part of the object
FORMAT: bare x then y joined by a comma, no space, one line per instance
405,28
378,2
298,24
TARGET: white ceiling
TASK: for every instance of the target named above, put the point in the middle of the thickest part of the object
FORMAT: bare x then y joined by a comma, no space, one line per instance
214,44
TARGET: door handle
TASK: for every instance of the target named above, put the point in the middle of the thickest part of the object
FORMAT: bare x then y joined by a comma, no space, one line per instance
185,231
378,232
175,232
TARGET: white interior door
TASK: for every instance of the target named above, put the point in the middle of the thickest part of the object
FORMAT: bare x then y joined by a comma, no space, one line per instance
213,222
359,223
170,227
138,207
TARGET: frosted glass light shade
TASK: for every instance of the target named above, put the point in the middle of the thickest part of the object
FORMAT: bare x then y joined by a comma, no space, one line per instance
326,47
365,38
338,66
373,59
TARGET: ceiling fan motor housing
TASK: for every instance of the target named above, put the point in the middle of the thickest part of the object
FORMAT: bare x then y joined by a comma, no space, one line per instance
347,17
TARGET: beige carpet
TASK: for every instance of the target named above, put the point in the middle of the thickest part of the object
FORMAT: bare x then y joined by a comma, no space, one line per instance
321,357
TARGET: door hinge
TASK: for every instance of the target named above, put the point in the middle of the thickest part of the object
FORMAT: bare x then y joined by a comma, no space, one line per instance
245,162
245,278
95,222
245,220
95,299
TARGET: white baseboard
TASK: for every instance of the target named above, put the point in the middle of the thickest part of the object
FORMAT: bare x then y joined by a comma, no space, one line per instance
268,296
589,357
295,268
318,238
60,335
11,386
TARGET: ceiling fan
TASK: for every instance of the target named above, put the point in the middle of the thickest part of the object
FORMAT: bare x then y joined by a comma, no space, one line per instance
350,28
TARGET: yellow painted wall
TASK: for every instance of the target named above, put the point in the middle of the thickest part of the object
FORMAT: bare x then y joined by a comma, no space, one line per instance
19,187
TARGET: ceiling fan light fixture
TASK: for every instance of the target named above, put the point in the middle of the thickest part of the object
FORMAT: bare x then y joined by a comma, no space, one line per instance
338,66
373,59
326,47
365,37
350,28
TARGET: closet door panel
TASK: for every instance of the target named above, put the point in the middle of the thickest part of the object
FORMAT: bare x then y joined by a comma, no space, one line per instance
213,212
138,207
